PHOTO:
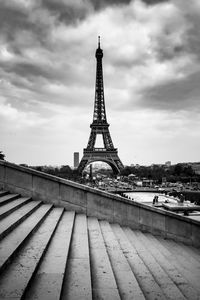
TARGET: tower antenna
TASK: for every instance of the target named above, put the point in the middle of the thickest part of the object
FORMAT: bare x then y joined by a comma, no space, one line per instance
99,41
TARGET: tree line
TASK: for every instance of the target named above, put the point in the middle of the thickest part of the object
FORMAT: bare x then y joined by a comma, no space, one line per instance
179,172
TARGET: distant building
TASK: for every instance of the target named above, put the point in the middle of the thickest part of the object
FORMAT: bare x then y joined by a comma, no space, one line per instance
196,167
168,163
76,159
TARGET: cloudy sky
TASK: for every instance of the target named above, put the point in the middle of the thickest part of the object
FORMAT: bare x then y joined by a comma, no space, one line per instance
151,78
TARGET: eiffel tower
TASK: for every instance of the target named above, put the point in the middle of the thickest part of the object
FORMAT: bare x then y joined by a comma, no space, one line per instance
108,153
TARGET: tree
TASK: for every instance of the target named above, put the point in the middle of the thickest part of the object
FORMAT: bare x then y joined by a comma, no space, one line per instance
178,169
188,171
2,156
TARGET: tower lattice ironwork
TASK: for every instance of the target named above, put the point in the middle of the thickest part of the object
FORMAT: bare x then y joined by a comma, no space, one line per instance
108,153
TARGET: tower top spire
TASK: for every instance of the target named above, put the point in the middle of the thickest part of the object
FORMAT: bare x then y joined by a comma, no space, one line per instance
99,41
99,51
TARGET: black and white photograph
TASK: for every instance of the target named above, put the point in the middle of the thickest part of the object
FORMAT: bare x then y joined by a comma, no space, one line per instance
99,149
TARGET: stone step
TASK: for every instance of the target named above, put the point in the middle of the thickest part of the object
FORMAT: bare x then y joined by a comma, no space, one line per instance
77,280
168,287
126,281
16,277
103,281
183,285
7,198
48,253
194,252
47,282
15,218
3,193
187,274
183,260
184,257
149,286
8,208
12,242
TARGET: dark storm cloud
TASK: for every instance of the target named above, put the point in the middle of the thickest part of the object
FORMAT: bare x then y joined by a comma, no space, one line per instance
153,2
104,3
73,12
25,37
13,19
169,52
68,11
178,95
193,41
26,29
188,42
30,70
10,19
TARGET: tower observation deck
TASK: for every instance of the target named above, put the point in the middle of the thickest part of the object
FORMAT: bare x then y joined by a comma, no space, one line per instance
100,126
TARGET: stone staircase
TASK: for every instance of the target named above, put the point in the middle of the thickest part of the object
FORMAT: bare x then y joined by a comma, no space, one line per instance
49,253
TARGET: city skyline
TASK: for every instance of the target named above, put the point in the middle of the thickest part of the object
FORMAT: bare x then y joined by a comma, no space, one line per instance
151,79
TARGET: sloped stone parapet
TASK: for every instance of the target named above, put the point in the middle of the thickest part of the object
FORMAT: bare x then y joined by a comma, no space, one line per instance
96,203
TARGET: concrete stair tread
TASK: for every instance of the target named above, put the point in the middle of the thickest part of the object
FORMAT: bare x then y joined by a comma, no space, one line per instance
17,275
177,249
187,274
182,283
11,206
49,253
183,258
47,282
15,238
77,280
126,281
149,286
103,281
16,217
7,198
185,263
194,252
3,193
168,287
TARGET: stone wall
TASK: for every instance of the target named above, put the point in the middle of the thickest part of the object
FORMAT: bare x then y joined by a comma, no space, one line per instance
96,203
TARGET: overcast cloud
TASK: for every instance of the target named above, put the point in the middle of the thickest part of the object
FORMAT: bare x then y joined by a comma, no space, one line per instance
151,78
